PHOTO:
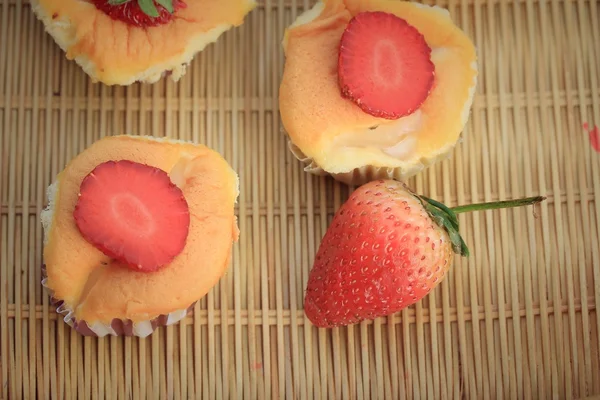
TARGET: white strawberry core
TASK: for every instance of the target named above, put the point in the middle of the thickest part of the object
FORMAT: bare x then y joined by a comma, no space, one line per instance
386,64
132,214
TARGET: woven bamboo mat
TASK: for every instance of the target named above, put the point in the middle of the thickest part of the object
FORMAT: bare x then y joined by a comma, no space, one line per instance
518,319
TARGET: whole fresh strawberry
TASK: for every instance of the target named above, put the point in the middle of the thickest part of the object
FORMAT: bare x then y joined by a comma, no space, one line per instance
385,249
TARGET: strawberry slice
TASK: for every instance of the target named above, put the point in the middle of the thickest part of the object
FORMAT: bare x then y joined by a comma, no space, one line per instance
384,65
141,13
133,213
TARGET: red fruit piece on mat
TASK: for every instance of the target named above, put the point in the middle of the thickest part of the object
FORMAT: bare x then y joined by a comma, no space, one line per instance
594,136
385,65
133,213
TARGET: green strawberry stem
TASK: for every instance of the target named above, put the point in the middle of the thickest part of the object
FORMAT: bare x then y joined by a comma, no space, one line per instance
446,217
494,205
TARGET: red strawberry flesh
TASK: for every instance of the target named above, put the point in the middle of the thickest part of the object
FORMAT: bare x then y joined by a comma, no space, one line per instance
133,213
131,13
384,65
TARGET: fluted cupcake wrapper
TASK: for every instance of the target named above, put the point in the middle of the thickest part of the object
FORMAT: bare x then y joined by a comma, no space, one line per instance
117,327
367,173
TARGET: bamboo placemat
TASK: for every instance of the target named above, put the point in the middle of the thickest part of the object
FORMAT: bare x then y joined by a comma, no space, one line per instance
518,319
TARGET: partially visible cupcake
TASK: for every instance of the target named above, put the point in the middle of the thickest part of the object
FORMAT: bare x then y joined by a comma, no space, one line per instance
375,89
119,42
136,231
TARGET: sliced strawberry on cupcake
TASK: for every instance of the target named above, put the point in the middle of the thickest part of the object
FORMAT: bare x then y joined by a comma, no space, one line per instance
384,65
136,231
120,42
133,213
375,88
141,13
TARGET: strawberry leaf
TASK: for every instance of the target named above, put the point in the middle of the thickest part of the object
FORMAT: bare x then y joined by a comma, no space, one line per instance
117,2
446,219
167,4
444,208
148,7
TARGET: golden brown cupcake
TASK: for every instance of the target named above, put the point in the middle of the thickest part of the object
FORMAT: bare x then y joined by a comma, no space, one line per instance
125,41
137,229
375,88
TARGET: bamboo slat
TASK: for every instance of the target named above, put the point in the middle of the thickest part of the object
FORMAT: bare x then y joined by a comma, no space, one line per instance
518,319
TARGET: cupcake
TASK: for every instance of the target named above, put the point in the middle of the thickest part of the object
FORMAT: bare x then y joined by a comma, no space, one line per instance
119,42
137,230
375,89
